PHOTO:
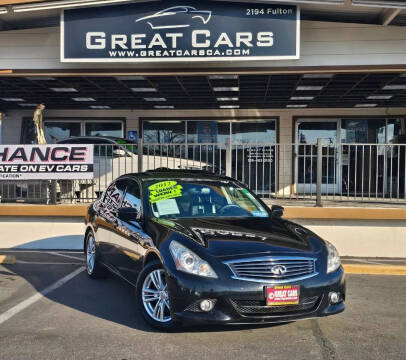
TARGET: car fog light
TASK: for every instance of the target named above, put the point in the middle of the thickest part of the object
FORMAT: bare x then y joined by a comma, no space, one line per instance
207,305
334,297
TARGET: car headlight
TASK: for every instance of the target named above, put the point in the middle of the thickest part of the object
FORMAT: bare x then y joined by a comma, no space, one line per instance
187,261
333,260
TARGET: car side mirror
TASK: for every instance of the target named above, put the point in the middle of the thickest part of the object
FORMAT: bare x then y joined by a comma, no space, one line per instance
128,214
277,211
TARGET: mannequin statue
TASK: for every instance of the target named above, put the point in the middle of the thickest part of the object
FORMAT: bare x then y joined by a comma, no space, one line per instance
39,131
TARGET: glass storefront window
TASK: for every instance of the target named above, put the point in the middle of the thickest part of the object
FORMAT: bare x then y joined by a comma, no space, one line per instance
254,132
60,130
355,167
396,131
57,130
310,131
208,132
363,131
114,129
164,132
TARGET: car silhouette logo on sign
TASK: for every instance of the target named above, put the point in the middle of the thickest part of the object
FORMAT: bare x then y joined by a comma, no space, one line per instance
278,269
176,17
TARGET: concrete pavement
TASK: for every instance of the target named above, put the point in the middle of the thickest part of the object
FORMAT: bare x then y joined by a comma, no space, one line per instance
86,319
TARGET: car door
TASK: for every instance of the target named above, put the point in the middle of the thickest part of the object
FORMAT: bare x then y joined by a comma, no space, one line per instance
107,220
130,239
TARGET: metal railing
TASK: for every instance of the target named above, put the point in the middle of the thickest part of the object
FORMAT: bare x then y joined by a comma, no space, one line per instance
204,156
316,172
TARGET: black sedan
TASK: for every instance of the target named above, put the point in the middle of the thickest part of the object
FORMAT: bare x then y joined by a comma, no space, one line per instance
200,248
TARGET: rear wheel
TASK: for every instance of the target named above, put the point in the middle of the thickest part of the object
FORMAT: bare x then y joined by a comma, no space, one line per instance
94,268
152,297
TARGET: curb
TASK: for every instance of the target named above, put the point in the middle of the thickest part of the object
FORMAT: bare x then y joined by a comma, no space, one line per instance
374,269
353,269
291,212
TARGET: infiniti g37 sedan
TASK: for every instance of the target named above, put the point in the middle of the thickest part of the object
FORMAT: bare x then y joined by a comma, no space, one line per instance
200,248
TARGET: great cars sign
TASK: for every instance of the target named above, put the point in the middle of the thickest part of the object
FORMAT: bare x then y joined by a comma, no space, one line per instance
46,162
180,31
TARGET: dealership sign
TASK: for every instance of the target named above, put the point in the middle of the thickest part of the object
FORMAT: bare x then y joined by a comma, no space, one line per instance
180,31
46,162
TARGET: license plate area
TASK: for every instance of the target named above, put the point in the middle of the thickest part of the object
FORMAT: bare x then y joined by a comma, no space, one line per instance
281,295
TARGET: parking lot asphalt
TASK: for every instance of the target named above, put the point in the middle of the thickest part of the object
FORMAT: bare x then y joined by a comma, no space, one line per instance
79,318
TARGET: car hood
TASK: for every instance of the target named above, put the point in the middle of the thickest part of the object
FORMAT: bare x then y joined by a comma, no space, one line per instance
227,237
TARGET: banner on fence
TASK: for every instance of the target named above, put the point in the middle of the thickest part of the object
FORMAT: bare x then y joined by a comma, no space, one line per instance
46,162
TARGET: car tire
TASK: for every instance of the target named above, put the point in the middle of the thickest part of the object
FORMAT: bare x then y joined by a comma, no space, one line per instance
148,281
94,269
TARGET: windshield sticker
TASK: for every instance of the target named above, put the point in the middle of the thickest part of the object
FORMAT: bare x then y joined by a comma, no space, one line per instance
167,207
259,213
164,190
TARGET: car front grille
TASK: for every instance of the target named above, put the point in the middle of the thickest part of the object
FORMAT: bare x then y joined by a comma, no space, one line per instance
273,269
255,307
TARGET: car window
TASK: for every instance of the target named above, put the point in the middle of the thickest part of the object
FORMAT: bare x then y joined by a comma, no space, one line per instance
115,193
133,196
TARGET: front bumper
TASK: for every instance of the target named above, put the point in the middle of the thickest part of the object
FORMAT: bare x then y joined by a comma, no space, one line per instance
243,302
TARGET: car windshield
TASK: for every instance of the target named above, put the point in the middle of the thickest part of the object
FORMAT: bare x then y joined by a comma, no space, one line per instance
190,198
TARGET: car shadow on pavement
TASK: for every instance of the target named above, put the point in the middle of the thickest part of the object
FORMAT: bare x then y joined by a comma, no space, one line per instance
113,299
110,299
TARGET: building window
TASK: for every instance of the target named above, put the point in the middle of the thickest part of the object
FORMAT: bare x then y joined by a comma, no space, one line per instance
60,129
254,132
114,129
363,131
164,132
209,131
361,164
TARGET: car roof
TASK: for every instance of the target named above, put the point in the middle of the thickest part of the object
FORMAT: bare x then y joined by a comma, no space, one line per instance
88,137
165,173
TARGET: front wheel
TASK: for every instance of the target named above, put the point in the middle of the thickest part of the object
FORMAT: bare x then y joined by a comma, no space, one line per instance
152,297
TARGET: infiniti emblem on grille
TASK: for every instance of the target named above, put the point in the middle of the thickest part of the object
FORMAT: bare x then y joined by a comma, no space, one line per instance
278,269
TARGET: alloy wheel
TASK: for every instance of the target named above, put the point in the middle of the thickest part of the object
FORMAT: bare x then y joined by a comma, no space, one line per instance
155,296
90,254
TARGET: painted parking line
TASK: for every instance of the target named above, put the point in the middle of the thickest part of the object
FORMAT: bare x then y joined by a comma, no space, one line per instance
47,263
39,251
365,261
63,255
31,300
70,252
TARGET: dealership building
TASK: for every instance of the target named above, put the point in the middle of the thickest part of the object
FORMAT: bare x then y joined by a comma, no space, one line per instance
292,98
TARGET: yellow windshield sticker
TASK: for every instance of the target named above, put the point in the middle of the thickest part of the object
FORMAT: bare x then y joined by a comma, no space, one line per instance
164,190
